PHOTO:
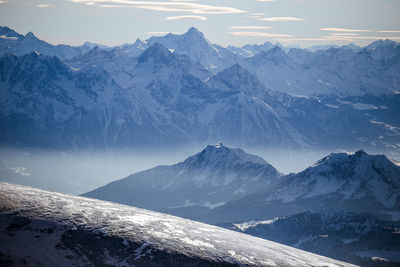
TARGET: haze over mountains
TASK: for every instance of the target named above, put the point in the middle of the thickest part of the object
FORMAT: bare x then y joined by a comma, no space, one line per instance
345,206
159,92
177,91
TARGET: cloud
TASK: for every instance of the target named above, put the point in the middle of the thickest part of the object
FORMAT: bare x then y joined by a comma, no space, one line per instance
337,38
345,34
42,6
259,34
250,27
3,2
186,17
389,31
343,30
367,37
265,0
176,6
282,19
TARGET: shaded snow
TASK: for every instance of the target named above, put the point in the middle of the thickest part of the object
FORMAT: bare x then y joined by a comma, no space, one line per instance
177,236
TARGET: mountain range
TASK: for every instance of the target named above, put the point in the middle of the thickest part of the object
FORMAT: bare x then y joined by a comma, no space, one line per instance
156,93
334,208
221,184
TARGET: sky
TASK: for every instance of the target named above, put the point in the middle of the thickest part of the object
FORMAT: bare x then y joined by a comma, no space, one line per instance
225,22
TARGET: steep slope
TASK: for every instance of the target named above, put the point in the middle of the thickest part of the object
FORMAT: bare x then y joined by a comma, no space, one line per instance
211,178
76,230
349,181
358,238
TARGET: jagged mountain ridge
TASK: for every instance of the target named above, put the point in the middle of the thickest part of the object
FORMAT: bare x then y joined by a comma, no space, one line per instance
83,231
169,96
18,44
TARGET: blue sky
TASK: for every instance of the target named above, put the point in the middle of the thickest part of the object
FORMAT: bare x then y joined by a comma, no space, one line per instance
236,22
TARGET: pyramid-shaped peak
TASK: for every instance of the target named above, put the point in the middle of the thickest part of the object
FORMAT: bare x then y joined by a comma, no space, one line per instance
193,30
30,35
194,33
155,51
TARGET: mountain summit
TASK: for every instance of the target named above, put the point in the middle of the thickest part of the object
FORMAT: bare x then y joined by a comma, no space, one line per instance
214,176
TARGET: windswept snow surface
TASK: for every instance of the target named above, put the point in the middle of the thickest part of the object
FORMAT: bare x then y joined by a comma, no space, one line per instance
69,230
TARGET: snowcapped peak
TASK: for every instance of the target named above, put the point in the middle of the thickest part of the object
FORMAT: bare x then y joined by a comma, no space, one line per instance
30,35
194,35
9,33
220,155
381,42
193,30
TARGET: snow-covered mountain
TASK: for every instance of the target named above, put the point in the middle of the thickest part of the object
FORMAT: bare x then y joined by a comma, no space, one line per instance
349,181
46,228
358,238
250,50
59,105
194,45
209,179
360,181
162,97
339,71
18,44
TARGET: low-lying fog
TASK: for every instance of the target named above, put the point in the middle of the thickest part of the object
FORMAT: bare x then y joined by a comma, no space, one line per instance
80,172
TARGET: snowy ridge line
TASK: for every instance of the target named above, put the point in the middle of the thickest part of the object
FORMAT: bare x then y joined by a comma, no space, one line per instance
157,233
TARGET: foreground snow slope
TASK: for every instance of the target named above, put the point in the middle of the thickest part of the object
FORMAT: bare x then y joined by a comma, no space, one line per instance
42,227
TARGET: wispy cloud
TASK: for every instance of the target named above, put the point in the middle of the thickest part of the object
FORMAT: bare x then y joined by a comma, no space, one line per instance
250,27
345,34
176,6
343,30
368,37
337,38
3,2
389,31
42,6
259,34
282,19
186,17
